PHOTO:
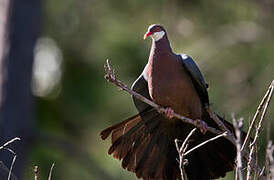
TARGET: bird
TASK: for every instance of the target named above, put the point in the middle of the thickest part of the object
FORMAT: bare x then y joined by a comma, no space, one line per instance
145,142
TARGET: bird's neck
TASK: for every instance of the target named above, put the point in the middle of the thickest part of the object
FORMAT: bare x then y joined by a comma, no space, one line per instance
161,46
160,59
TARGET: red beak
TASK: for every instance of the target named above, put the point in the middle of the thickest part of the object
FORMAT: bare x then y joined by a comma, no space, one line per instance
147,34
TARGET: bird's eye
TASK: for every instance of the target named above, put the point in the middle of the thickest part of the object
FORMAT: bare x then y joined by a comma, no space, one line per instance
157,29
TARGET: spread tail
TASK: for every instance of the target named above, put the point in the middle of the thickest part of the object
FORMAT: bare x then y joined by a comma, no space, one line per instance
145,144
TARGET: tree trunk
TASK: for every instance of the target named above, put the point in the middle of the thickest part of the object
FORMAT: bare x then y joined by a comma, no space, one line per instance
16,104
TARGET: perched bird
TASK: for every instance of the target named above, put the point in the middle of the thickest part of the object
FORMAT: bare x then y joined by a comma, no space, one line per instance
145,142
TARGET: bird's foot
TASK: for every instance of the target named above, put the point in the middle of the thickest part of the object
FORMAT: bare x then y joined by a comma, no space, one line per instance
169,113
202,125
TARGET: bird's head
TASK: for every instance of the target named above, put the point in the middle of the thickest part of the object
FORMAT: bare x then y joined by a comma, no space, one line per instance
155,31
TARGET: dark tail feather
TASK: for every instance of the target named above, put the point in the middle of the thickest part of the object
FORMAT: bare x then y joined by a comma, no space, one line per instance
215,158
152,158
125,132
120,126
106,132
145,143
148,156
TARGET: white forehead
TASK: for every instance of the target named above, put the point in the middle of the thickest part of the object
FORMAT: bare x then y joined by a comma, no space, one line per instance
158,35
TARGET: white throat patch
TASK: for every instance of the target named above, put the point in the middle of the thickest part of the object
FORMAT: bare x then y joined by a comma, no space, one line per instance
158,35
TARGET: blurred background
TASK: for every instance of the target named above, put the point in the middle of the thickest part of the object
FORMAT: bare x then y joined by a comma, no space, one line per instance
55,97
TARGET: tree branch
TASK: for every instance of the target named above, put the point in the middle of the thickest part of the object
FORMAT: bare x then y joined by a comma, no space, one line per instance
259,109
11,167
50,172
238,125
110,76
35,171
205,142
257,133
4,171
181,152
270,161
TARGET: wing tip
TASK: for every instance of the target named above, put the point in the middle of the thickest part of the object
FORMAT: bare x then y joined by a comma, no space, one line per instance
105,133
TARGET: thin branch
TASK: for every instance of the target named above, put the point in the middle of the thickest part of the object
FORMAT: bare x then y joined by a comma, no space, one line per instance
35,171
9,142
261,173
11,167
186,141
266,164
10,175
110,76
231,138
216,119
205,142
181,165
270,159
230,135
260,107
50,172
181,152
238,125
250,161
256,173
4,172
10,150
258,130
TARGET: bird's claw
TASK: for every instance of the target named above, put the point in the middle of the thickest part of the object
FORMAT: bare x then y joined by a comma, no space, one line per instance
169,113
202,125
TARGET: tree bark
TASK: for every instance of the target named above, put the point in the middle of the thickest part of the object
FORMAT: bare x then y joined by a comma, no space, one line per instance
16,104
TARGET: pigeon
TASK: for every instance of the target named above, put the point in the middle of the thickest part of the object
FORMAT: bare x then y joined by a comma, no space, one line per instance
145,142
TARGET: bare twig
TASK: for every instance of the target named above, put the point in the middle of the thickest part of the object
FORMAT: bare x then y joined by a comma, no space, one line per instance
216,119
258,130
9,142
181,152
4,172
256,173
205,142
229,136
11,151
251,127
35,171
11,167
186,141
238,126
268,128
261,173
181,161
270,160
50,172
110,76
